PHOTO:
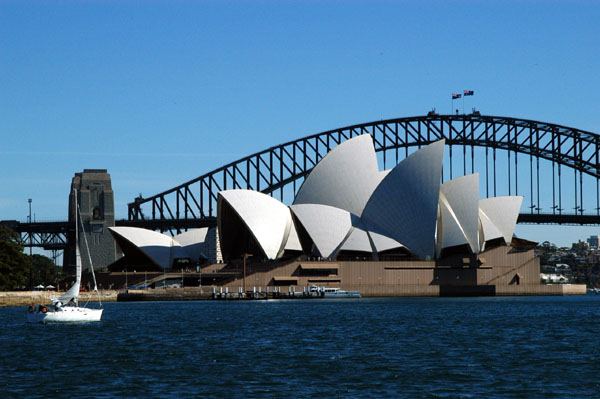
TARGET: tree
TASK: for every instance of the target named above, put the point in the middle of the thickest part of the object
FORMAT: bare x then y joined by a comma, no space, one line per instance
14,264
43,271
18,270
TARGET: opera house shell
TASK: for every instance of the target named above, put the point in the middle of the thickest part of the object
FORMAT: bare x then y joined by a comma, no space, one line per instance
347,208
397,232
153,250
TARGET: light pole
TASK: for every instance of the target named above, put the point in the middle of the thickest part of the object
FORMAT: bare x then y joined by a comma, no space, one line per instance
30,233
245,256
199,270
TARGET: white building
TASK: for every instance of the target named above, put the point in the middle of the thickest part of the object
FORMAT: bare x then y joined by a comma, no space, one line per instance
347,206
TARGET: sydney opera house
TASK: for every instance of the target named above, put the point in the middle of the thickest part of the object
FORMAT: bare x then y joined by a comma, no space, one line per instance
392,232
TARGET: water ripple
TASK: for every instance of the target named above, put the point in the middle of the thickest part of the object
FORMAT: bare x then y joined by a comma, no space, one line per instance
368,348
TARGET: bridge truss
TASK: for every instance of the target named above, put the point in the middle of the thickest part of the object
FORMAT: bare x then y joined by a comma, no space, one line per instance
549,164
47,235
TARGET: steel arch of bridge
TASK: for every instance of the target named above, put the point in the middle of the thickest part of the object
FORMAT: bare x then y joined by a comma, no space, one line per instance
275,169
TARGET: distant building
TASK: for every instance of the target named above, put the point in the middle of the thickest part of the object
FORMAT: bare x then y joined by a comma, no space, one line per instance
593,257
579,246
548,269
563,268
553,278
593,241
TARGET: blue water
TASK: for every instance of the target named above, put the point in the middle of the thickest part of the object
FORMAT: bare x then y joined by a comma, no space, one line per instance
534,347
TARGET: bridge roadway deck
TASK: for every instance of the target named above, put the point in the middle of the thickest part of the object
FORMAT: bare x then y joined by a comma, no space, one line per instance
55,235
62,229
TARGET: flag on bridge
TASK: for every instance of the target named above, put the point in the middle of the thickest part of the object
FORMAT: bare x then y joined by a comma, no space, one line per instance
468,92
455,96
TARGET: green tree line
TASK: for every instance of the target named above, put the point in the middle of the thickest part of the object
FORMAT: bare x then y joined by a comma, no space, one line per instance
19,271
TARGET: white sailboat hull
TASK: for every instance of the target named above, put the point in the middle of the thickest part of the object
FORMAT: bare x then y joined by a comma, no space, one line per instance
67,314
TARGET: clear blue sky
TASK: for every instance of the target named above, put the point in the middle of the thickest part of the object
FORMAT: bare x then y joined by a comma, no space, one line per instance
160,92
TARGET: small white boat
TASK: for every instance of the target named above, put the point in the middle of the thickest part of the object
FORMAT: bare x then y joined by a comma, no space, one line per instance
66,309
334,292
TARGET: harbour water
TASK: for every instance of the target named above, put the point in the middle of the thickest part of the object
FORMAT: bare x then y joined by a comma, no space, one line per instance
513,347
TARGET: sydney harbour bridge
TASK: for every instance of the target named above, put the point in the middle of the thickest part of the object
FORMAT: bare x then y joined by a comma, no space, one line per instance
556,168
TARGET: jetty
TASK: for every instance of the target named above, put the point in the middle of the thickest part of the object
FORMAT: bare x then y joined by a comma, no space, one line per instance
214,293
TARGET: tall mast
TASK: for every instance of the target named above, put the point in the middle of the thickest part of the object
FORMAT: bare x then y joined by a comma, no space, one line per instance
89,254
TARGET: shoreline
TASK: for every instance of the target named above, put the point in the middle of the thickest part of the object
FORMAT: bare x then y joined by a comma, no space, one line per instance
25,298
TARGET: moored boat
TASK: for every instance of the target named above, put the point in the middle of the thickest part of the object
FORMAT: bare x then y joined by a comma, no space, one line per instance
334,292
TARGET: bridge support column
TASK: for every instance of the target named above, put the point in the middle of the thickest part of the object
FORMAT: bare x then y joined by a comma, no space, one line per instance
96,201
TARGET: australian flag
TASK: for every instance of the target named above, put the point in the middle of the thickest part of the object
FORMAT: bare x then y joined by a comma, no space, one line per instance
455,96
468,92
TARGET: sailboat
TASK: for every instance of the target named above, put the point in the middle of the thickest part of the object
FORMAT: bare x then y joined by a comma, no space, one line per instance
66,309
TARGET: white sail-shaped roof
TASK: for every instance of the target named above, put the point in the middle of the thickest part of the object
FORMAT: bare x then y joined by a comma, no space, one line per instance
358,240
363,238
326,225
293,242
345,178
404,205
160,248
194,242
459,204
488,231
502,212
449,232
345,203
191,237
383,243
381,175
268,220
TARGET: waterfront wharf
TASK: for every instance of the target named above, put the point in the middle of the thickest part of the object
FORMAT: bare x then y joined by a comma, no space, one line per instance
213,293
